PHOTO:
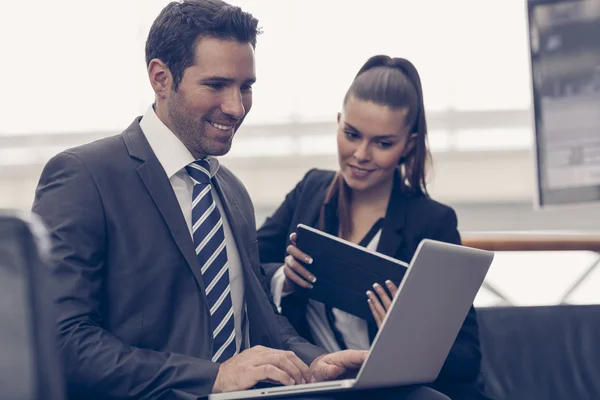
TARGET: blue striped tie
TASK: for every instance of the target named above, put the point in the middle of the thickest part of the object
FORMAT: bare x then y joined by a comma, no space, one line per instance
209,240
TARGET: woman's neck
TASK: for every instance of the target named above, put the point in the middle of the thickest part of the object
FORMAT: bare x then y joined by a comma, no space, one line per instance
374,198
366,207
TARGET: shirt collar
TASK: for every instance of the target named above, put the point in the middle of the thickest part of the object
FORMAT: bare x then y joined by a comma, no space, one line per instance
170,151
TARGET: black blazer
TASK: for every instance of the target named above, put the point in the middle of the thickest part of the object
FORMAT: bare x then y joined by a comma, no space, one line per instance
409,219
133,319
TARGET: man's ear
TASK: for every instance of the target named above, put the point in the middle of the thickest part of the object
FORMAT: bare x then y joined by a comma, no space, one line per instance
160,77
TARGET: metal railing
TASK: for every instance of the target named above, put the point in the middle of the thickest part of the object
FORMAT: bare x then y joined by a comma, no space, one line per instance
538,241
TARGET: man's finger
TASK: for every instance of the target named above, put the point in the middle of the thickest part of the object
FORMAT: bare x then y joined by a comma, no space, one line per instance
272,374
329,372
258,348
293,237
304,369
281,360
292,262
385,299
294,277
348,359
321,370
333,365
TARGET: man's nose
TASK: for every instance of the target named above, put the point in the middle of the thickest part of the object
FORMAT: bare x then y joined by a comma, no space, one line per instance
232,104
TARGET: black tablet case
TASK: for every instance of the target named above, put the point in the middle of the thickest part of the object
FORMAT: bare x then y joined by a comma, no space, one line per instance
345,271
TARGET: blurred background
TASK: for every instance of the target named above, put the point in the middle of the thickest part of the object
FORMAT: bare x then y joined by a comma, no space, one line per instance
74,72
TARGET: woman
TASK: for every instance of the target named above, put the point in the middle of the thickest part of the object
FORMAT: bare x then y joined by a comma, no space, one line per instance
378,199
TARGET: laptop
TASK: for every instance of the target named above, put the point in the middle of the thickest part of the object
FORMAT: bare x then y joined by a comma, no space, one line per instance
418,331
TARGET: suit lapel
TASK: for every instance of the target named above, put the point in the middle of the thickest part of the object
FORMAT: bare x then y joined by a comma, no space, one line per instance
313,209
159,187
331,224
392,234
236,219
240,227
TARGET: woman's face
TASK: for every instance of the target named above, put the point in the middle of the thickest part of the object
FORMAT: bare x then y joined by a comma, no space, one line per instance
371,139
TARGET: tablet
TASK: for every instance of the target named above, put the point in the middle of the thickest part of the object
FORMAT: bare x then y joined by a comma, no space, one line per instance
345,271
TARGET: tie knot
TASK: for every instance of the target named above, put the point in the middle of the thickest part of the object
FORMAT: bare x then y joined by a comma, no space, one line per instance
199,171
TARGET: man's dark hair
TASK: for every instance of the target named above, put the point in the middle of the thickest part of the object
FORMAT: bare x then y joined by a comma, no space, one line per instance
176,31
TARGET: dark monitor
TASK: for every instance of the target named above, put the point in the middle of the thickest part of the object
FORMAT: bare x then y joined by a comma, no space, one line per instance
564,38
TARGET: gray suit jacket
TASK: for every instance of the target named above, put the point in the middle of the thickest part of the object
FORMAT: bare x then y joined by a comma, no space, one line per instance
133,319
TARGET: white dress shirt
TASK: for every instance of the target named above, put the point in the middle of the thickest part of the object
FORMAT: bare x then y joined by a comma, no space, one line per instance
354,330
174,157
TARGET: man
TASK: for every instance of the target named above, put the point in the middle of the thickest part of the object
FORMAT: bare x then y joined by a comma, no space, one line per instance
158,285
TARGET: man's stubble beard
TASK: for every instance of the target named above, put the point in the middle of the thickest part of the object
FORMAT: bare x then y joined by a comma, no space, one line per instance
189,132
